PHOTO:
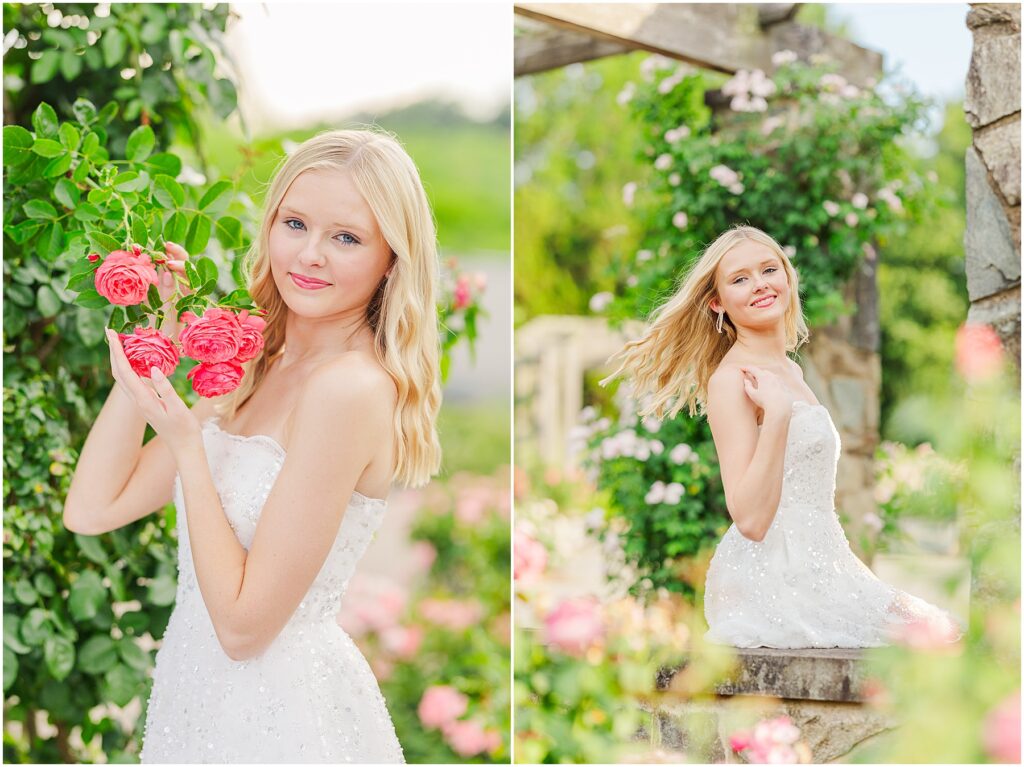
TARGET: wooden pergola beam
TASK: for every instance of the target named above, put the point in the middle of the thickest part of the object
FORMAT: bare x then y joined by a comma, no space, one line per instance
540,47
725,37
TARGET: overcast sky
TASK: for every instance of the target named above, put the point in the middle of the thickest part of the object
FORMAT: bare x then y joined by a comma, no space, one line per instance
300,62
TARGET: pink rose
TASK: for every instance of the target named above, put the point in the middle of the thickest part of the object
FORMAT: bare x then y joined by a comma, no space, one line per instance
440,705
251,343
1002,730
214,337
531,558
453,614
401,641
423,555
469,738
462,292
215,379
574,625
149,348
979,353
124,278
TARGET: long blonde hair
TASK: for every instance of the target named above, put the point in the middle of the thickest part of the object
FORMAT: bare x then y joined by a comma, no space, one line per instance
403,311
671,363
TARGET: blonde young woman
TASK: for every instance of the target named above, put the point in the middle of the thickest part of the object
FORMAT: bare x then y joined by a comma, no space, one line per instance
280,486
783,575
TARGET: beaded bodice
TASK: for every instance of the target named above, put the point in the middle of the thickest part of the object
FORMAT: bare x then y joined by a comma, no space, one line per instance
244,470
812,457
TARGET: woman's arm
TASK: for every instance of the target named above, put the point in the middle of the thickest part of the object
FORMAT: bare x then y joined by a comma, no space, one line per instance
251,595
751,461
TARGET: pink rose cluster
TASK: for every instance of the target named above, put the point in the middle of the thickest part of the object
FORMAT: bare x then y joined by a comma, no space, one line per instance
774,741
440,709
574,626
219,340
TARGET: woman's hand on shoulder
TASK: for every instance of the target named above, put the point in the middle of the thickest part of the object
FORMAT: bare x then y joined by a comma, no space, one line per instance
766,389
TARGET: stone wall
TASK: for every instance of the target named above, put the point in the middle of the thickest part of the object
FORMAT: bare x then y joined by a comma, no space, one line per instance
992,108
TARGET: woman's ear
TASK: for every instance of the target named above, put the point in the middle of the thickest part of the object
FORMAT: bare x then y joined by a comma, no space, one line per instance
715,306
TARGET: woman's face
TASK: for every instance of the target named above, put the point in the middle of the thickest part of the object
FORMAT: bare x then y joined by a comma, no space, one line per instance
746,278
327,253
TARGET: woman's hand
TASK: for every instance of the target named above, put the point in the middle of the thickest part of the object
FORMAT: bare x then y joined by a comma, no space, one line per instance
173,278
157,401
767,390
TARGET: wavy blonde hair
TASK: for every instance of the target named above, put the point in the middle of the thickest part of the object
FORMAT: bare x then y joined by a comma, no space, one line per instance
402,313
671,363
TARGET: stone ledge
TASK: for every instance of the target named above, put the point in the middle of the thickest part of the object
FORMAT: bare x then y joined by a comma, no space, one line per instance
832,675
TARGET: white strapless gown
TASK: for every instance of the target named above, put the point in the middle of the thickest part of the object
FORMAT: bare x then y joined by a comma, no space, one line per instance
802,586
310,696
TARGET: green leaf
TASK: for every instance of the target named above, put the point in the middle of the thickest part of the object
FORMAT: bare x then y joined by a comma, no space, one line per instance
44,584
58,166
86,212
44,68
133,655
135,622
25,231
121,685
84,111
44,120
229,232
216,197
52,241
70,65
69,135
198,234
90,325
17,145
90,299
91,547
118,319
81,171
140,144
90,144
40,209
87,596
237,297
107,113
176,229
102,241
207,269
114,45
129,181
24,592
66,193
12,624
36,627
47,301
10,668
139,232
165,163
168,192
162,590
194,280
45,147
98,655
59,654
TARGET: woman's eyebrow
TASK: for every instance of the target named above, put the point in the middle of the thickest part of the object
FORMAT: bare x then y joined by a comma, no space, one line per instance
292,212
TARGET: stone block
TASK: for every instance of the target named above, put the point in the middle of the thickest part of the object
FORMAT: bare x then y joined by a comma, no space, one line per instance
1002,313
994,18
993,260
999,147
993,80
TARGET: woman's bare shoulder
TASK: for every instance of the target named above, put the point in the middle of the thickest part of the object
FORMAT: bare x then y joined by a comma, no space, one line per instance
354,374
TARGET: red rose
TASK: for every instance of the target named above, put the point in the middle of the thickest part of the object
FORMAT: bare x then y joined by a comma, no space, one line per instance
214,337
252,336
93,257
215,379
124,278
149,348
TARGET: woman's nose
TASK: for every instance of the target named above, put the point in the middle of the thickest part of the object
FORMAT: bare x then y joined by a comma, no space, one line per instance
310,254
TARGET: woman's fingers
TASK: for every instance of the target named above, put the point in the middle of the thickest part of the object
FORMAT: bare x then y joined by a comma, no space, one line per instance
175,250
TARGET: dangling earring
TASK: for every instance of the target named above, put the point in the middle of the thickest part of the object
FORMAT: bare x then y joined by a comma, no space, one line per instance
719,325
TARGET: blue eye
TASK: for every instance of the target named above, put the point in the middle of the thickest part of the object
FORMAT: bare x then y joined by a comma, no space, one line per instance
346,239
289,221
770,268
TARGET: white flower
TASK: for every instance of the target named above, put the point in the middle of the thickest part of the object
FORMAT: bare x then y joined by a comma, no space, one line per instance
192,177
664,161
656,494
760,85
831,207
832,82
869,251
680,453
680,220
738,84
626,94
724,175
859,200
789,250
657,448
674,493
599,301
757,104
851,219
587,414
771,123
665,86
629,192
740,103
644,255
643,451
891,199
651,423
873,521
736,188
849,91
632,280
675,179
781,58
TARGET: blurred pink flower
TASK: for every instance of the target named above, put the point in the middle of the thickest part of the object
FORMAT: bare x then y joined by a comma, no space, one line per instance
1002,730
773,741
441,705
628,193
680,220
501,628
472,503
531,558
574,625
469,738
922,633
463,295
979,353
382,668
454,614
402,641
371,604
423,555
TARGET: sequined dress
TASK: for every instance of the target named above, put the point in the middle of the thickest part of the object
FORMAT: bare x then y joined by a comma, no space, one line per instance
802,586
310,696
